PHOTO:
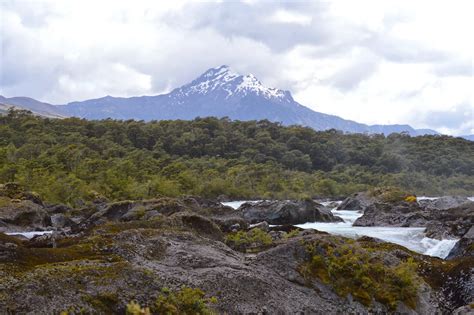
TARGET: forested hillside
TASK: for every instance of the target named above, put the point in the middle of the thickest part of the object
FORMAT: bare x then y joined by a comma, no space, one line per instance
75,161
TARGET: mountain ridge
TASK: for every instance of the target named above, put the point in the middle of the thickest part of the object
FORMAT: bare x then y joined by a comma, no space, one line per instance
35,106
222,92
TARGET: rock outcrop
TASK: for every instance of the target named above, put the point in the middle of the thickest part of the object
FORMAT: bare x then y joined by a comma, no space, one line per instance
17,215
393,214
105,255
358,201
464,247
444,203
112,264
286,212
450,223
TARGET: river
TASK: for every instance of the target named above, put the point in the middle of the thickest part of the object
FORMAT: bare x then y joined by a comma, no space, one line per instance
412,238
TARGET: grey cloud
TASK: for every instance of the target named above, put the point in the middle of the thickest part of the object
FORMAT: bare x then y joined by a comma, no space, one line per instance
454,68
350,77
237,19
403,51
460,117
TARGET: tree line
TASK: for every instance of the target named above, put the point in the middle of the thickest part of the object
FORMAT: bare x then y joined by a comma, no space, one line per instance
75,161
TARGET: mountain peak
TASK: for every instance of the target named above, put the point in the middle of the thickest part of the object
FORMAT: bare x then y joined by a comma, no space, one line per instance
222,72
228,83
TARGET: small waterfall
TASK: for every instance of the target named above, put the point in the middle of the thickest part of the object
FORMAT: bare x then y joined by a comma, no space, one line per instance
438,248
412,238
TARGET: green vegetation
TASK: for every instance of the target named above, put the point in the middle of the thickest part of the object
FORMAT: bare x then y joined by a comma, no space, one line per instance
75,161
389,194
133,308
252,240
352,269
186,301
292,233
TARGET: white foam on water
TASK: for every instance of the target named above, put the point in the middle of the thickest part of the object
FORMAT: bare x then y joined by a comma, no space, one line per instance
412,238
426,198
438,248
29,234
234,204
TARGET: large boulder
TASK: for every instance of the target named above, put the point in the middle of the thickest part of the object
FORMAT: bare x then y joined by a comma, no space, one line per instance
362,200
16,191
60,221
399,214
207,207
358,201
129,210
18,214
464,247
454,222
440,224
287,212
224,216
198,224
444,203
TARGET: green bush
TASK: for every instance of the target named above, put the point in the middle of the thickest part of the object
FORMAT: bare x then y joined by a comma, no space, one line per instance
351,269
291,234
187,301
389,194
133,308
246,240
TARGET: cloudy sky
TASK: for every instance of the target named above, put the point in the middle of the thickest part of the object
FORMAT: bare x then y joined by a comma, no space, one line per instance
370,61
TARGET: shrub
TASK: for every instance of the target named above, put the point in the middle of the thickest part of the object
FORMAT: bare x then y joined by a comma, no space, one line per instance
184,302
351,269
253,239
410,198
389,194
291,234
133,308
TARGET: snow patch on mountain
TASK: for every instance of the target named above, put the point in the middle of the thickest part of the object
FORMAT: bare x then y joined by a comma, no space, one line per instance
251,84
223,78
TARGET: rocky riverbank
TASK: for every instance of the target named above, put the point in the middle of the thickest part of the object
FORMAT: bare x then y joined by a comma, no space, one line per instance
190,253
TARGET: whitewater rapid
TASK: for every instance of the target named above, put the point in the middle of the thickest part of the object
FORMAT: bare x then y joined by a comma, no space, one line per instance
412,238
29,234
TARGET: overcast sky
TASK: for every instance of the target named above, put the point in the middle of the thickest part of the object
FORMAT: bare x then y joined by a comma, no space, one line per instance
370,61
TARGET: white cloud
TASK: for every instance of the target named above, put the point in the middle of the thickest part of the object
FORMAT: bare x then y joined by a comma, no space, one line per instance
370,61
286,16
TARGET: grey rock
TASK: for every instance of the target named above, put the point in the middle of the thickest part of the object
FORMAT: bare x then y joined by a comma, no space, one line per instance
264,226
445,202
358,201
235,228
59,220
24,215
440,224
464,310
464,247
399,214
287,212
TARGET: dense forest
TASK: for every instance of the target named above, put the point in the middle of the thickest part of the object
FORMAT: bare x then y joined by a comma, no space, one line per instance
76,161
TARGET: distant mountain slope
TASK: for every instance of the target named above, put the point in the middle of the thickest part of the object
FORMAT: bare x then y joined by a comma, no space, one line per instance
218,92
221,92
468,137
37,107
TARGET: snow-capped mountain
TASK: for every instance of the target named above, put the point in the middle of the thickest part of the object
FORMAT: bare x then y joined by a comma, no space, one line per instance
221,92
225,80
